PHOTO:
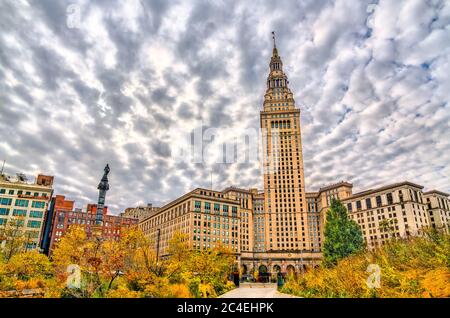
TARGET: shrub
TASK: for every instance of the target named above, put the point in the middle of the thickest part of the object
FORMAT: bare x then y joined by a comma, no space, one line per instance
414,267
179,291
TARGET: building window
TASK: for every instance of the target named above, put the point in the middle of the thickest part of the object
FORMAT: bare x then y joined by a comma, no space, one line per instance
38,204
389,198
368,203
4,211
378,200
225,210
36,214
358,205
34,224
5,201
217,208
207,207
23,203
19,212
197,205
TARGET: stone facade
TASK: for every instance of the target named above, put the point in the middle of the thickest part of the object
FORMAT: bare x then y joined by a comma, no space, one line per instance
396,210
140,212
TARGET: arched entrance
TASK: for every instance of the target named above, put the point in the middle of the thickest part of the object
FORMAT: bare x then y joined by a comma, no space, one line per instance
262,269
276,269
263,275
244,269
290,269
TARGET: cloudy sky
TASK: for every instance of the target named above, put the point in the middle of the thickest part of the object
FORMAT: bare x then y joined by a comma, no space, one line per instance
85,83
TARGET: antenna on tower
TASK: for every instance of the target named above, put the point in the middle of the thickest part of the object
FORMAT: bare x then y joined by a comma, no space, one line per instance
3,166
273,37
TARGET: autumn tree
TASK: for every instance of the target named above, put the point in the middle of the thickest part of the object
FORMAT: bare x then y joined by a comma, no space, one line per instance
129,267
27,270
343,236
179,257
14,236
100,261
211,268
140,266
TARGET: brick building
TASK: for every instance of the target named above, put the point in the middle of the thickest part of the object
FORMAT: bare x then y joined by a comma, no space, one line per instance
62,215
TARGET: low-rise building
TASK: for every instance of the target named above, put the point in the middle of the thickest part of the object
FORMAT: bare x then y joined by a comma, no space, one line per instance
208,218
140,212
396,210
62,215
25,203
438,209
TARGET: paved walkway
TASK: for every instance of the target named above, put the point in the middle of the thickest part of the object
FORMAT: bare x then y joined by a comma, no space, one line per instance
256,290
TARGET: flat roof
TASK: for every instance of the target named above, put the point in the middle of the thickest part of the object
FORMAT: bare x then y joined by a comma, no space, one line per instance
383,188
228,189
436,192
193,193
335,185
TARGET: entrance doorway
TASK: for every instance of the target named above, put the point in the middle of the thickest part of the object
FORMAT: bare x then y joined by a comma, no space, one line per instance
263,275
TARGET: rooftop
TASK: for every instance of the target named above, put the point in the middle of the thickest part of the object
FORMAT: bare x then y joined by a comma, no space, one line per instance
383,188
335,185
436,192
22,179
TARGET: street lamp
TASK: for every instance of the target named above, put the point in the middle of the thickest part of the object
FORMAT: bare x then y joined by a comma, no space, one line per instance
301,261
157,245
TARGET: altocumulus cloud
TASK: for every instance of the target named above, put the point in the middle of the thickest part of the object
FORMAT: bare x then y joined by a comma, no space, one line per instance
117,85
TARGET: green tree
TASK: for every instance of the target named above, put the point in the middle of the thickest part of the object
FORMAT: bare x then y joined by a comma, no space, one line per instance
343,236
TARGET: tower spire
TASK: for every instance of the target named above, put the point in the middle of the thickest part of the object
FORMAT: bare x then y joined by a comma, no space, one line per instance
274,51
278,95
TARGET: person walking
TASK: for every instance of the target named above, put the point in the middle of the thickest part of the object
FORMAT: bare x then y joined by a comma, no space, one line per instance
236,278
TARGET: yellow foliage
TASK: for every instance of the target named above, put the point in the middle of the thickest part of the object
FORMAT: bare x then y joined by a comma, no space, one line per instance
417,267
71,249
207,291
15,238
229,286
123,292
29,265
437,283
32,283
256,275
125,268
179,291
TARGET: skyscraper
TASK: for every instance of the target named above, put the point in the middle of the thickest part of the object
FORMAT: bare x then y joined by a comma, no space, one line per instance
284,187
